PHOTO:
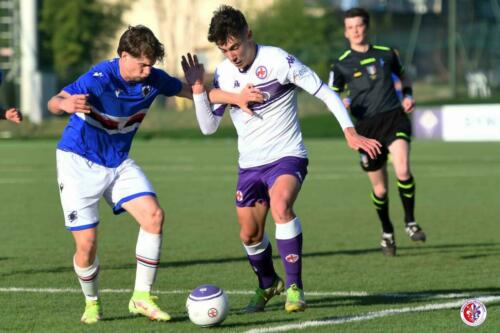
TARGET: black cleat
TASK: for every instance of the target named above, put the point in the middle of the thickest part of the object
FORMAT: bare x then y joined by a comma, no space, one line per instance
388,245
415,232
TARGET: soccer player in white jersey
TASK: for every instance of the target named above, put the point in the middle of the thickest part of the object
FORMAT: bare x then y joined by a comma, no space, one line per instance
272,157
107,104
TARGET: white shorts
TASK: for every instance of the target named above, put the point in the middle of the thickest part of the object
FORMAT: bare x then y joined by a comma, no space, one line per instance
82,183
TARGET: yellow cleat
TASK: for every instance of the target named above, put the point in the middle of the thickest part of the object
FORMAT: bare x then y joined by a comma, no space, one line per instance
142,303
93,312
295,301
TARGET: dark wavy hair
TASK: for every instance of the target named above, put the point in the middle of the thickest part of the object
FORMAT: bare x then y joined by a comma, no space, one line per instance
358,12
226,22
140,41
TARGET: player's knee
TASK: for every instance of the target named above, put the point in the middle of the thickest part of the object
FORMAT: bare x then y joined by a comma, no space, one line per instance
250,237
380,190
155,220
282,212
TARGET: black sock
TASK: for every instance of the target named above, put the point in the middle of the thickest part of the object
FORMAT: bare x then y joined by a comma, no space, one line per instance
382,206
407,194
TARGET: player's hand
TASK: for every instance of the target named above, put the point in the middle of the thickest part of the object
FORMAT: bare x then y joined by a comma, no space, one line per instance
408,104
356,142
14,115
75,103
193,72
248,95
347,102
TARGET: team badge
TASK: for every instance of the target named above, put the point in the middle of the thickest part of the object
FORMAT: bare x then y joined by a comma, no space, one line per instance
261,72
473,313
372,70
73,216
239,196
292,258
146,90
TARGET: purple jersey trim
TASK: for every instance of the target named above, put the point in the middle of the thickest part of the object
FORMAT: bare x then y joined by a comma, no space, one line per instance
83,227
117,209
220,110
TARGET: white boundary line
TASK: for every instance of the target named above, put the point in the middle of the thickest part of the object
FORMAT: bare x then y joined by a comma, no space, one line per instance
311,323
247,292
368,316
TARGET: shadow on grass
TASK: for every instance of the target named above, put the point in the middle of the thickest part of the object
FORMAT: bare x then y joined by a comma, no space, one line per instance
443,295
489,249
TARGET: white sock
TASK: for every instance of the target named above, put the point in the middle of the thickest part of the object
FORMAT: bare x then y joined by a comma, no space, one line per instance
288,230
88,278
147,253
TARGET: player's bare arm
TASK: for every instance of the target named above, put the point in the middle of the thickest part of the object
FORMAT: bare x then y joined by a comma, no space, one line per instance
66,103
12,114
356,141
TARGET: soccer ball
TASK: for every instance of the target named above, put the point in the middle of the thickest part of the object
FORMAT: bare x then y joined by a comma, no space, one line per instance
207,305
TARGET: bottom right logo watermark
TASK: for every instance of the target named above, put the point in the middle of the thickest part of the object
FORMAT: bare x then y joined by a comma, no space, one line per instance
473,312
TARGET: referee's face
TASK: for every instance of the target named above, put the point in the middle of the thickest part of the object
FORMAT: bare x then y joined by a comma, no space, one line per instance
355,30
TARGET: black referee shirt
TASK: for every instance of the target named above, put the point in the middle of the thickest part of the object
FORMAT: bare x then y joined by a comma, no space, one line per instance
368,79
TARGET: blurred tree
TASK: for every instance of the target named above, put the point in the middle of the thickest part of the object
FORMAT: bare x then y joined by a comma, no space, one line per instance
76,33
308,29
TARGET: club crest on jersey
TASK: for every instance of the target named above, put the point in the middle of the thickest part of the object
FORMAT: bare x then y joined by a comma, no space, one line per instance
261,72
146,90
239,196
292,258
372,70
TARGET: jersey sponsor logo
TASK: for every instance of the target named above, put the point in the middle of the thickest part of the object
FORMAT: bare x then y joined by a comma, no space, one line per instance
292,258
261,72
239,196
473,312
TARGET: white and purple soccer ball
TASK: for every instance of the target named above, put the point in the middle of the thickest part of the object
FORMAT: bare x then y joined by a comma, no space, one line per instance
207,305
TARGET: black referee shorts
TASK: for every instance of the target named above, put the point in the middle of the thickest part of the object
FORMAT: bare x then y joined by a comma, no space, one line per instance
385,127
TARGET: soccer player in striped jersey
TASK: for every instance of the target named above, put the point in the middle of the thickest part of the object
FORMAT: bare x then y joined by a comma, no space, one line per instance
367,71
272,156
107,105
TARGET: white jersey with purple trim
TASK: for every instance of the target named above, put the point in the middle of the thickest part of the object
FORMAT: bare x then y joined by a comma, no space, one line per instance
275,131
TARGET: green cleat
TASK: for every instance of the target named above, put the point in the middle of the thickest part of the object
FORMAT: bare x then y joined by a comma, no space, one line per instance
262,296
142,303
295,301
93,312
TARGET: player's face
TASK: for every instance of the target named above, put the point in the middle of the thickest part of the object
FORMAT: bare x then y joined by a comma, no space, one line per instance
135,69
355,30
240,51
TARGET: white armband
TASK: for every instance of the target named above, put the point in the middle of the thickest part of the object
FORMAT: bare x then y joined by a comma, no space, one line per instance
335,105
207,121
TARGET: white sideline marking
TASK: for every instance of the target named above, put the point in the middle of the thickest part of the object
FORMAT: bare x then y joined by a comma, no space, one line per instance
368,316
247,292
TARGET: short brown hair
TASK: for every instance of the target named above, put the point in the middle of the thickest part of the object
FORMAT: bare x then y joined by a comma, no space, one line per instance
358,12
140,41
226,21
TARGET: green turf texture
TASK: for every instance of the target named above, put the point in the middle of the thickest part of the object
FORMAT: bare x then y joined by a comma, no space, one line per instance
457,205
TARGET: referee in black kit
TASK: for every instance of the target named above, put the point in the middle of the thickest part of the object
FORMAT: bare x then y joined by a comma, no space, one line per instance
366,72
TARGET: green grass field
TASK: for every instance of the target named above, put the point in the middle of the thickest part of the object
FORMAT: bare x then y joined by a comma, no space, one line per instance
350,286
